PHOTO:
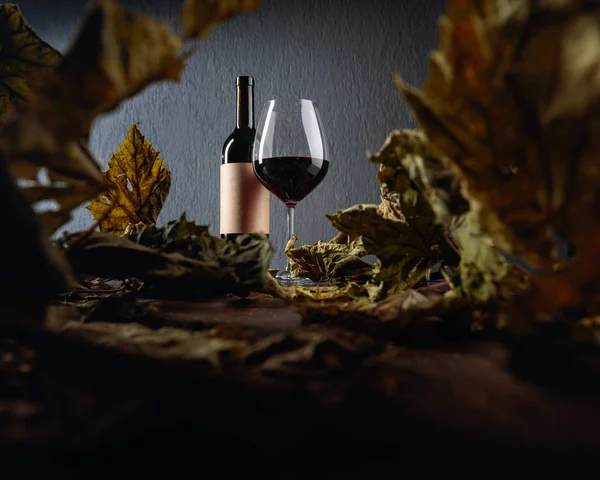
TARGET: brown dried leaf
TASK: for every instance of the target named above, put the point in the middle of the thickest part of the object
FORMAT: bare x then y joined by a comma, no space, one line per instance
511,101
24,59
180,266
480,268
140,183
523,132
332,260
200,16
402,231
399,247
115,55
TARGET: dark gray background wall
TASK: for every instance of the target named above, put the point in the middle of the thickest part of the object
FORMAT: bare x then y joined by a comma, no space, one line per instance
340,53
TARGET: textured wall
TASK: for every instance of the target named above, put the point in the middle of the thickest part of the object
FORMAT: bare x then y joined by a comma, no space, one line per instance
340,53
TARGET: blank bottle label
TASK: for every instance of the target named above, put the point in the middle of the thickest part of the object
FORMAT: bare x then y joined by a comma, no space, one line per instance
244,201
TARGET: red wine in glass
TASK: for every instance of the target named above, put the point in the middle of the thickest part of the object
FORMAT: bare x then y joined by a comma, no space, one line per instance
290,158
291,178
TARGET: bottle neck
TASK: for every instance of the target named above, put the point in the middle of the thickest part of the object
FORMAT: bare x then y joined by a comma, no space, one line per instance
245,107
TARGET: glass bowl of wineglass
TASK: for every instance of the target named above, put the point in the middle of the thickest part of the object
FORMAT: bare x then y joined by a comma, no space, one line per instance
290,158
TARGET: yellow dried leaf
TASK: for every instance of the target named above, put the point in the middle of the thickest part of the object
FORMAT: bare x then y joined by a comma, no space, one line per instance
200,16
24,58
140,183
115,55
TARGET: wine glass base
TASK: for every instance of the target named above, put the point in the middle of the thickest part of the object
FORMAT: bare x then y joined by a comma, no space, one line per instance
286,280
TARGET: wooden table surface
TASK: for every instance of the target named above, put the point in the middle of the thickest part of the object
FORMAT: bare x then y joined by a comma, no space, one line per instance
474,408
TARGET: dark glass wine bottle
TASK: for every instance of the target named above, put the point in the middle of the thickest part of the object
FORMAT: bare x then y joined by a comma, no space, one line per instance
244,201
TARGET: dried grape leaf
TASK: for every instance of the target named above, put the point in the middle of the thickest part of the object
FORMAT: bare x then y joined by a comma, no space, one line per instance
398,247
34,152
432,173
341,258
481,266
115,55
481,270
399,308
171,237
24,60
200,16
140,183
188,265
402,231
511,101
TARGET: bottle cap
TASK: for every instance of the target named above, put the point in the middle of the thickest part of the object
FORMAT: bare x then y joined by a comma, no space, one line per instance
244,82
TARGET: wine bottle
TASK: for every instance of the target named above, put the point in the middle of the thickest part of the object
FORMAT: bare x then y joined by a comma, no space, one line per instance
244,201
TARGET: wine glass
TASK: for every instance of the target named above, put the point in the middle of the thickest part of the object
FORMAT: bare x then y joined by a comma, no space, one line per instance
290,158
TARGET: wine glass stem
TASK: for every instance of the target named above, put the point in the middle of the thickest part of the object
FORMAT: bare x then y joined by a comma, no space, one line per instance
290,231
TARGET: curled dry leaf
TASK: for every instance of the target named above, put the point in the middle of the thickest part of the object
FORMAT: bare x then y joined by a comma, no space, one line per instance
511,101
482,272
402,231
25,59
140,183
115,55
403,255
176,235
398,308
176,264
30,146
439,184
330,293
339,259
200,16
